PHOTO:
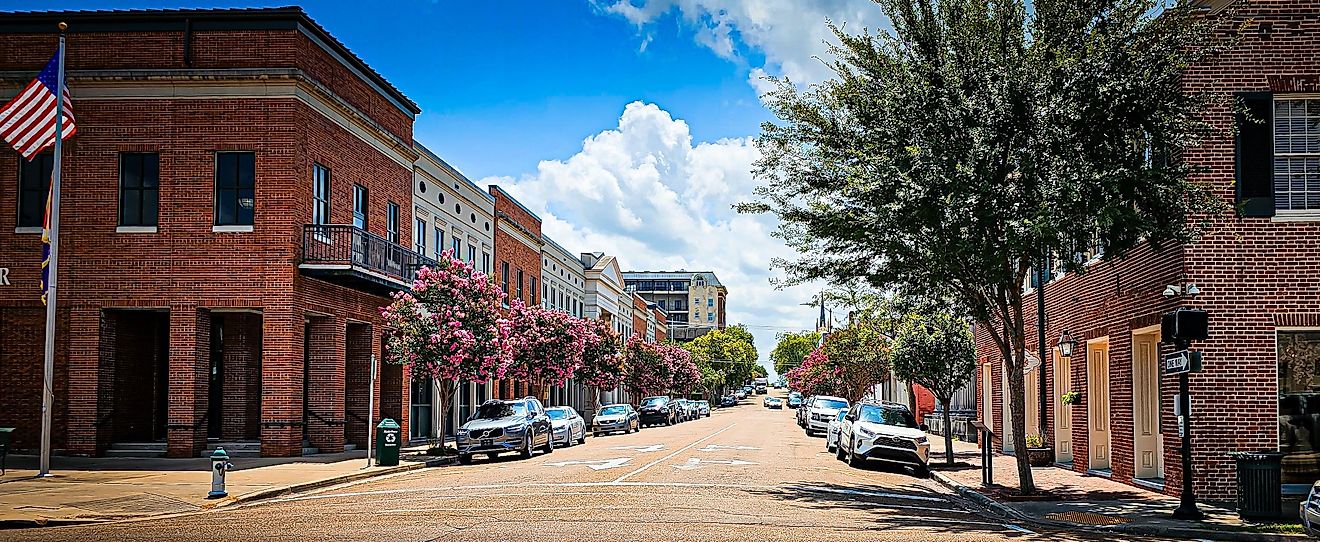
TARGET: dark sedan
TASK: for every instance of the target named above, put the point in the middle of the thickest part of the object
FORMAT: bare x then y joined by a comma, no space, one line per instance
659,410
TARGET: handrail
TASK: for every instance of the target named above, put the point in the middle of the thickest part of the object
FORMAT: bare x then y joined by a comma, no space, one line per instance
350,245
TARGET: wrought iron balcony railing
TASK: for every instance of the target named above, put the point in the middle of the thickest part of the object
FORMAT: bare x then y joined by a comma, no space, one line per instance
346,250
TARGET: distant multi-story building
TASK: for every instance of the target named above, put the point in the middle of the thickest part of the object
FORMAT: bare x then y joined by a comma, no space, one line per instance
693,301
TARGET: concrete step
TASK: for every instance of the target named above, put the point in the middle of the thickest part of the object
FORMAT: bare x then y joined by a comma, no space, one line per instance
136,449
243,448
350,447
308,450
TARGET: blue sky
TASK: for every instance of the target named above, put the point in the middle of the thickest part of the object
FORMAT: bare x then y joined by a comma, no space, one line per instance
627,125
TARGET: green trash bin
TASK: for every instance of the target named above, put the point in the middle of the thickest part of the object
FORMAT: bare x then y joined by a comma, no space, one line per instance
1258,484
387,443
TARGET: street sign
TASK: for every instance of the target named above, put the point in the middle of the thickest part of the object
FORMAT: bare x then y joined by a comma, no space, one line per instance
1177,362
600,464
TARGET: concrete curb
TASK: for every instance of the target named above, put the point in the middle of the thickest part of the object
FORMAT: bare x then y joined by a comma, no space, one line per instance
245,498
1141,530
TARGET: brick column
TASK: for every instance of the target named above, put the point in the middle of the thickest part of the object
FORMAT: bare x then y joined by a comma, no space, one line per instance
91,339
357,368
326,364
282,382
189,384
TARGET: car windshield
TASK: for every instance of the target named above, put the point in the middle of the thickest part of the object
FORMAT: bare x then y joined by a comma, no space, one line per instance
794,395
613,411
494,411
842,413
557,413
887,416
655,401
831,403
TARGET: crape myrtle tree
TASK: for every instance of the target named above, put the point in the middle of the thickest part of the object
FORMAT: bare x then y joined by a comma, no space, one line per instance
684,374
936,350
646,370
546,346
975,139
602,364
792,348
859,356
815,376
448,329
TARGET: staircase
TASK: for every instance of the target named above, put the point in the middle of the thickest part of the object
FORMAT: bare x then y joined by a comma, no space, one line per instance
238,448
136,449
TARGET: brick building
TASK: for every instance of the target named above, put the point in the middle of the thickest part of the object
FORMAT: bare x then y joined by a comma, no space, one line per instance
237,205
517,262
1257,281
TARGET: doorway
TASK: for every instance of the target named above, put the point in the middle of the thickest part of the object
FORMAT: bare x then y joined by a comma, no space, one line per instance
1008,409
1146,438
987,396
1062,413
1097,382
140,375
419,409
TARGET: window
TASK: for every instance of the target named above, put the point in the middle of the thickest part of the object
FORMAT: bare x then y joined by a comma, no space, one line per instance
485,262
520,284
139,188
710,302
320,194
419,235
360,206
1297,154
392,222
504,276
458,247
661,304
710,317
532,291
472,254
33,188
439,241
546,293
235,188
1299,404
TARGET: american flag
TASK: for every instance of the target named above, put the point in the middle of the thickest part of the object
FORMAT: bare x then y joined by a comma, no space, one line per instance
28,121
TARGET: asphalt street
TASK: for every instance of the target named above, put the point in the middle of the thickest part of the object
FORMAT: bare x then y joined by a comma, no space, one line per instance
744,473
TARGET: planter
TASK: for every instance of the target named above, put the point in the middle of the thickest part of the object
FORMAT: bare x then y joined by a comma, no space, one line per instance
1040,457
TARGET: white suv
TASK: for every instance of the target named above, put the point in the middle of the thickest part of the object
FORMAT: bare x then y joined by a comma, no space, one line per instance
884,431
820,411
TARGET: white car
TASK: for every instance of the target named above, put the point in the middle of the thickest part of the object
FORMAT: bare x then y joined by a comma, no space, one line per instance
820,411
567,426
832,435
883,431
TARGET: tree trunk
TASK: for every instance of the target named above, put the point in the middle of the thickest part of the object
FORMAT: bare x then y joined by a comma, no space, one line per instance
446,393
1017,395
912,398
948,431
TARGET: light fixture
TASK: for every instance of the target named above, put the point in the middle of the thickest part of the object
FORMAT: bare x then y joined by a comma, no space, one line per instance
1191,290
1066,344
1172,291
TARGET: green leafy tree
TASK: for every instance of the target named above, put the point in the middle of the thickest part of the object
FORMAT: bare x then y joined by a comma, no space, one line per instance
976,138
731,352
792,349
936,351
859,355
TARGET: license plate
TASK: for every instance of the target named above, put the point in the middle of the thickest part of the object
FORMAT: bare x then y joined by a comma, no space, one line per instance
486,443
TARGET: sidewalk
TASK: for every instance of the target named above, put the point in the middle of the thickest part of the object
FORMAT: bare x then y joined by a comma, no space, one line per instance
1073,500
100,489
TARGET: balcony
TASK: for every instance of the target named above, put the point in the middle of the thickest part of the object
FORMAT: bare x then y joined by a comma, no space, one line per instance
356,258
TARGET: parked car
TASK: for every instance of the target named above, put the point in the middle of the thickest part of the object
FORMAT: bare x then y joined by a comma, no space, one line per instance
883,431
1309,511
658,410
703,409
832,434
802,410
615,418
684,410
794,400
500,426
740,394
728,401
774,402
567,425
823,409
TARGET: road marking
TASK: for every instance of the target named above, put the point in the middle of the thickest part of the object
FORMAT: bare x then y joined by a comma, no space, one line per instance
695,463
716,447
488,509
671,456
595,464
642,449
821,489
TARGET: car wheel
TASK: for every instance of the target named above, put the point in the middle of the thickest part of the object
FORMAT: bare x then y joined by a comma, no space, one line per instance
526,450
854,460
549,443
808,431
922,471
594,434
583,439
568,439
838,451
464,459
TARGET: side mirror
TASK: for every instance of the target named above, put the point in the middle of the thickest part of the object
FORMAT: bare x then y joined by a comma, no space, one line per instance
850,417
925,428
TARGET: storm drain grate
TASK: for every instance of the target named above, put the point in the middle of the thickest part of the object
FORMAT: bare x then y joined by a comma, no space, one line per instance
141,503
1087,518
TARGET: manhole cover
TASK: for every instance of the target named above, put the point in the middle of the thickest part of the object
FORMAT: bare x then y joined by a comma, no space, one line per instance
1087,518
140,503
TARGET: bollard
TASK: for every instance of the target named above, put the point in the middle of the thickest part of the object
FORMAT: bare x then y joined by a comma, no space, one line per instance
219,466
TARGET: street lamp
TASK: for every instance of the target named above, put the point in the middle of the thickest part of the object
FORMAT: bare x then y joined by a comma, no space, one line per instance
1066,344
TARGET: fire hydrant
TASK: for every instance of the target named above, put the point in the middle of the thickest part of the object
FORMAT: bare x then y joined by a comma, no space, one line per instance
219,466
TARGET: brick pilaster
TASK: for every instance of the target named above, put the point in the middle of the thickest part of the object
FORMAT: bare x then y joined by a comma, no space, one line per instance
282,382
326,383
91,375
189,371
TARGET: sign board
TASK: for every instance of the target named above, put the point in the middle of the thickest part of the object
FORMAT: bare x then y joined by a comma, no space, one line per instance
1177,362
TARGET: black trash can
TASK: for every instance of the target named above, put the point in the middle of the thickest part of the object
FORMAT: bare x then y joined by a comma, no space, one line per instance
1258,485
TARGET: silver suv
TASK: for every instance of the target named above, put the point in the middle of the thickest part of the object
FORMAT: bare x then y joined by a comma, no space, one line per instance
505,426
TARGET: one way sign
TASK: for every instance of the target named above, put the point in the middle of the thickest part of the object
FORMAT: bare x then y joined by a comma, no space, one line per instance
1182,361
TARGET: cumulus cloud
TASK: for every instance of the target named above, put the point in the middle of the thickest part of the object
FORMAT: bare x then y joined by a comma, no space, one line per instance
791,35
646,193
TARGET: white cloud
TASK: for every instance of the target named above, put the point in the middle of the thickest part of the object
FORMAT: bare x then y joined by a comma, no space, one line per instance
647,194
791,35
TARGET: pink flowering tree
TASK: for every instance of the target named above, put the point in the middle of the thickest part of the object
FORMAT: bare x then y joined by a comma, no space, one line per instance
815,376
448,329
684,374
546,346
602,363
646,369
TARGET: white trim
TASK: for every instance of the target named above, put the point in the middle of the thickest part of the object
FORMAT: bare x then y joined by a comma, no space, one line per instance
232,229
135,229
1296,215
28,229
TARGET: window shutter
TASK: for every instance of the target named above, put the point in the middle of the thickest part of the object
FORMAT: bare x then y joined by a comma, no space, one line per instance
1255,154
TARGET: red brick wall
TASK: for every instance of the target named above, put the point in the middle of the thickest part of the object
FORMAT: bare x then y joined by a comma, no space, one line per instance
661,326
511,249
639,315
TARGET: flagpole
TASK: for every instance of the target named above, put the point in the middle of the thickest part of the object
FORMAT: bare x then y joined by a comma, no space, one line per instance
48,373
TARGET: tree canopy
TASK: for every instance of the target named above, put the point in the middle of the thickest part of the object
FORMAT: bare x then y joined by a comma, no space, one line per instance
792,349
936,351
